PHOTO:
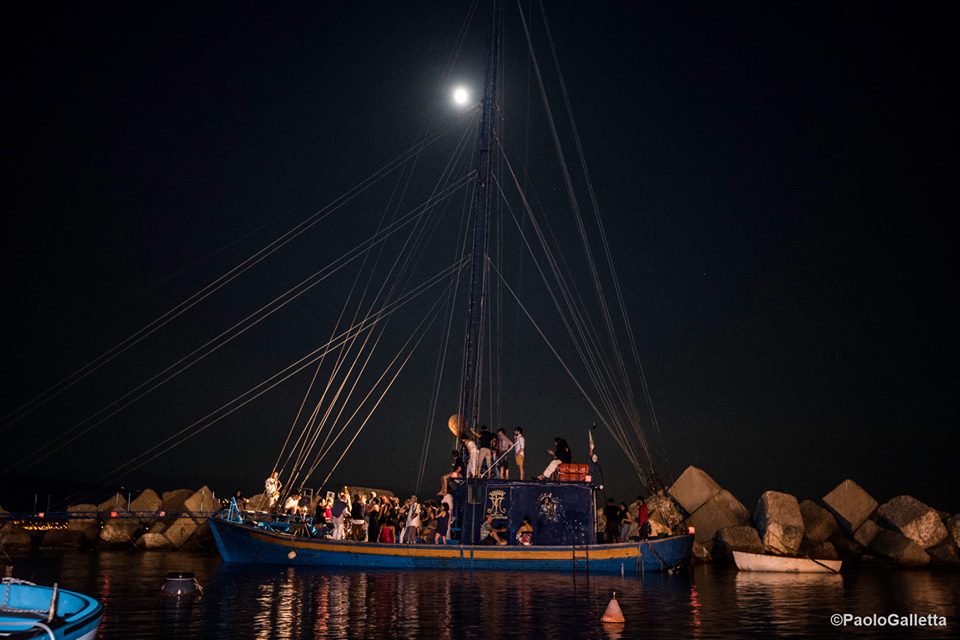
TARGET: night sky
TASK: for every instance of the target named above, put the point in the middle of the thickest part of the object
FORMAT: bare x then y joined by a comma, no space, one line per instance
777,181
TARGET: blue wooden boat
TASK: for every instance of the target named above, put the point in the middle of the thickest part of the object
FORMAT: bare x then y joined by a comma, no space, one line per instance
247,543
28,610
562,514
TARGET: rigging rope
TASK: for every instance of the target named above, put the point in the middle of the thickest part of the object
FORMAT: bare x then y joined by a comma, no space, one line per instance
153,326
272,381
225,337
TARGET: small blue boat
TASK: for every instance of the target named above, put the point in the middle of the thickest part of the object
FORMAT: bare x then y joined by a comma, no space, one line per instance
28,610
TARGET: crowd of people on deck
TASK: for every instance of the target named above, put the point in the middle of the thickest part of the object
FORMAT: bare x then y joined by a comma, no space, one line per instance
383,519
374,518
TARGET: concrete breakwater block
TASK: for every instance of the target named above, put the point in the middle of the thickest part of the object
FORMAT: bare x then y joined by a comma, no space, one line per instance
738,538
913,519
172,501
179,531
953,526
117,533
664,515
116,502
779,522
153,542
720,512
847,549
13,536
818,523
900,548
818,550
693,488
850,504
148,500
944,554
201,504
866,533
258,502
64,539
89,528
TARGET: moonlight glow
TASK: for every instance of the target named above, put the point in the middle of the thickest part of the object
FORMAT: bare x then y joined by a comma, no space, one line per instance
460,96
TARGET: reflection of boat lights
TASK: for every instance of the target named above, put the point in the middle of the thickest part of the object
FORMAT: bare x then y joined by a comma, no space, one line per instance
695,606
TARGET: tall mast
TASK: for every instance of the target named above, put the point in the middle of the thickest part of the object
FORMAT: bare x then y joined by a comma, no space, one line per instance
469,407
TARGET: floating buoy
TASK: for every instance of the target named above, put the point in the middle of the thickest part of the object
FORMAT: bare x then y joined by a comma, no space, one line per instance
181,584
613,612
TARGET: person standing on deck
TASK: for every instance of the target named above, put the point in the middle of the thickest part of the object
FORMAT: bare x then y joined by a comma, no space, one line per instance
519,444
483,438
594,472
338,513
504,444
643,518
412,530
443,525
473,457
271,490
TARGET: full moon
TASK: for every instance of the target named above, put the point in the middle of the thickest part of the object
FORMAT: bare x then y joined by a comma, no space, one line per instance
460,96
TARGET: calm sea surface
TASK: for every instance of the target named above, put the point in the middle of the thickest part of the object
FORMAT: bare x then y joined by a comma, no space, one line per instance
279,602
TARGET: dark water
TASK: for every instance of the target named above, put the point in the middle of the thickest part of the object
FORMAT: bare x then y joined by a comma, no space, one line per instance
279,602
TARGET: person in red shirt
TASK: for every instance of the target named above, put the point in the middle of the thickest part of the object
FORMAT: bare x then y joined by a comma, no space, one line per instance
643,518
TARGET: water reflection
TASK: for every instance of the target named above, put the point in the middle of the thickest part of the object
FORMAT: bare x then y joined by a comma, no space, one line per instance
243,602
785,600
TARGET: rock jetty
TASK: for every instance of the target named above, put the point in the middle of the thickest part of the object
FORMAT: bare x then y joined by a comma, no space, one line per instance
151,521
847,523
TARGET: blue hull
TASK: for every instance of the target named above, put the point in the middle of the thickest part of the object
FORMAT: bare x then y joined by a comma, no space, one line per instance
243,543
77,616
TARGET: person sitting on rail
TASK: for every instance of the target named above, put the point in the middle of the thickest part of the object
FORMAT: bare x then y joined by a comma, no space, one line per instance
239,499
561,455
292,506
490,535
456,471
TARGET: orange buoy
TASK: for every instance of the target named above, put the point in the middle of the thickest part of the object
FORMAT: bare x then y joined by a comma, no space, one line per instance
613,612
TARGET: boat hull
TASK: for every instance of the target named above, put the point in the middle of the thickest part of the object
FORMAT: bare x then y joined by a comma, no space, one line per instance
782,564
77,618
242,543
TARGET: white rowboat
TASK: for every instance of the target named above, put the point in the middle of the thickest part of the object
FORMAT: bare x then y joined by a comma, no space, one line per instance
760,562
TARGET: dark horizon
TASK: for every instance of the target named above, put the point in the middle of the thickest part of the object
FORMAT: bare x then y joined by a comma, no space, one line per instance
776,182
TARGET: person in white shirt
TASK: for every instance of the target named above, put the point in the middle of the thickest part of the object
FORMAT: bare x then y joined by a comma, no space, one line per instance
518,446
473,457
271,489
413,521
